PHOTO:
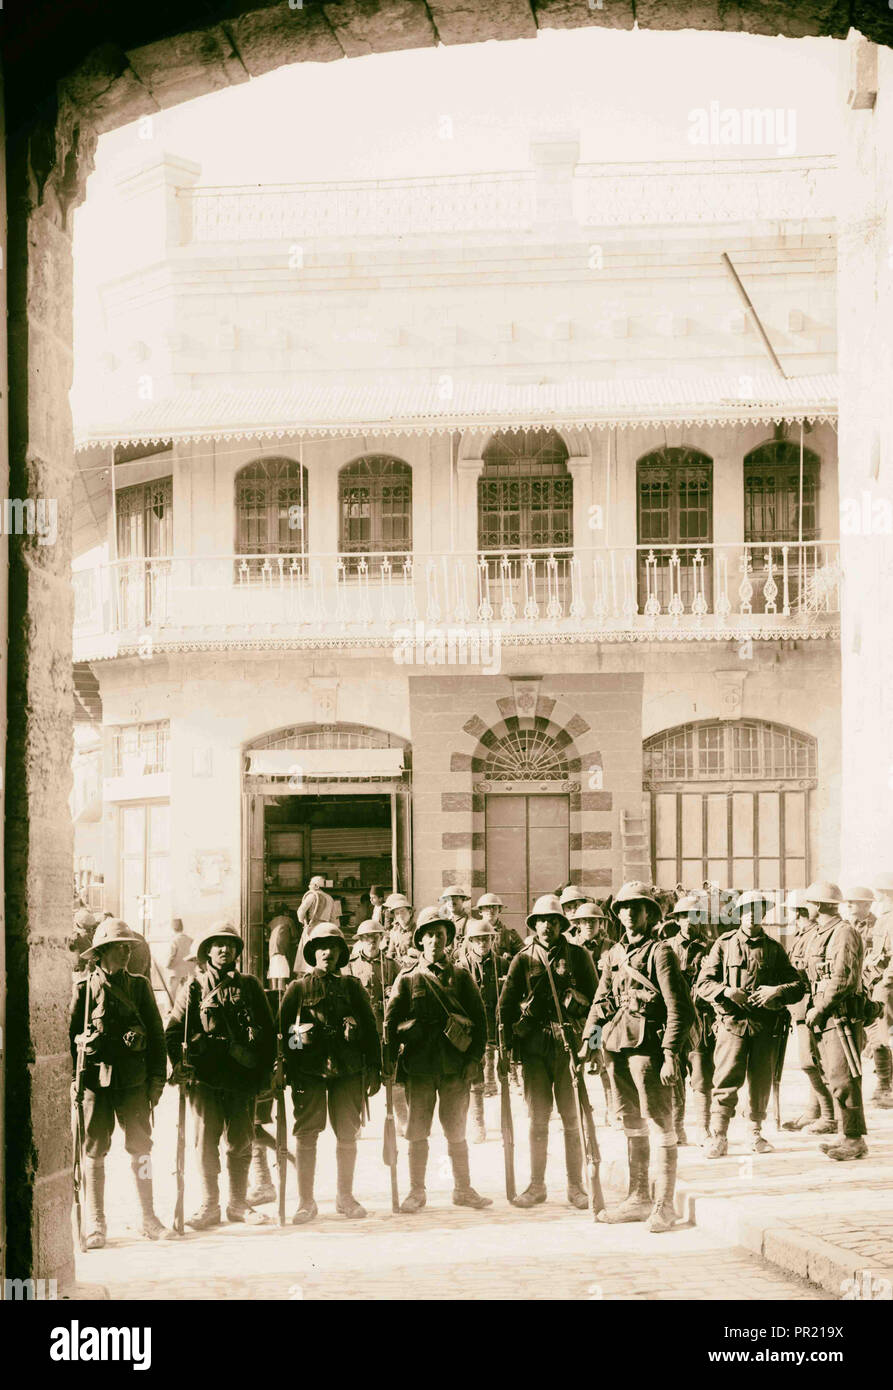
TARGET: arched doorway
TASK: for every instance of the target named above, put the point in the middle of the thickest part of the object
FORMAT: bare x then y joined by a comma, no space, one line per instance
730,803
330,799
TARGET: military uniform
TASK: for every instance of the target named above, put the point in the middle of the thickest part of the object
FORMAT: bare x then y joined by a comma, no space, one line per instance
487,973
123,1077
818,1118
532,1031
377,975
433,1069
747,1035
231,1046
833,963
690,951
452,902
599,948
644,1010
333,1062
878,977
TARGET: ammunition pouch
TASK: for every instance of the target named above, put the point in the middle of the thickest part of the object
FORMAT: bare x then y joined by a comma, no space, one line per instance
459,1031
624,1031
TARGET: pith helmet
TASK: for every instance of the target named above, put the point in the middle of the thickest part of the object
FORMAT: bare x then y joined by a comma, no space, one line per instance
455,890
796,900
111,932
883,883
490,900
479,928
397,900
571,894
85,918
822,890
547,906
587,912
369,928
326,932
752,896
692,902
220,931
636,892
855,893
429,917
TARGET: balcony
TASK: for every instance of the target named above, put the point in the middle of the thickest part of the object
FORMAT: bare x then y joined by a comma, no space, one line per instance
640,593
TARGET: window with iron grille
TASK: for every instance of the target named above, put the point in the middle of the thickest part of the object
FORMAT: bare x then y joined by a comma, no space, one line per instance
525,493
141,748
772,493
733,750
375,506
271,508
525,755
675,508
145,517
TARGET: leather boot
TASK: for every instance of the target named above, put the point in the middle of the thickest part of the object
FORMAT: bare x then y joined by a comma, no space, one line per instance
815,1109
306,1164
94,1173
883,1066
825,1123
208,1214
238,1208
260,1184
758,1144
152,1227
718,1146
464,1194
663,1214
535,1193
418,1163
345,1202
573,1163
636,1206
478,1120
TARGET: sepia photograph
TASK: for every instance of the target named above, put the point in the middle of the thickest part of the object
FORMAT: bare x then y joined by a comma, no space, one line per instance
447,637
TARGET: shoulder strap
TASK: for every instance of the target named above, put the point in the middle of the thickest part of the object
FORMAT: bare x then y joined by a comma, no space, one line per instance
438,993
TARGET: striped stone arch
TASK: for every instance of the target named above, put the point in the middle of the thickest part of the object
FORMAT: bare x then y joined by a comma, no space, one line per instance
568,759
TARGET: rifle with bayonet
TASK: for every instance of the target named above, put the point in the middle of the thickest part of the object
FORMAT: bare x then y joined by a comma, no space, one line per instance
79,1132
582,1108
389,1141
183,1077
505,1095
282,1154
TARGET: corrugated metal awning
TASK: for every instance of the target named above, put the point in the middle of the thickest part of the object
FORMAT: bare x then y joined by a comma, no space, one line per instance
302,763
398,408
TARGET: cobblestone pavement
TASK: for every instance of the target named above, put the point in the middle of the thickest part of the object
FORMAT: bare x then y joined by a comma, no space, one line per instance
551,1252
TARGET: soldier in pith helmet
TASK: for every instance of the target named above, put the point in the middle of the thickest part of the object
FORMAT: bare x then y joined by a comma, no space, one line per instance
333,1064
227,1058
454,903
400,948
124,1070
435,1018
748,979
506,941
377,972
833,962
589,930
644,1011
570,899
533,1031
478,957
81,938
818,1117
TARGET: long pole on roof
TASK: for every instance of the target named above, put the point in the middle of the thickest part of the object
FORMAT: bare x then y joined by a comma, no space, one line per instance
748,304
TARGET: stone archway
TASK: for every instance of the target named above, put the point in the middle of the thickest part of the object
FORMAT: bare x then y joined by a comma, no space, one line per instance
72,73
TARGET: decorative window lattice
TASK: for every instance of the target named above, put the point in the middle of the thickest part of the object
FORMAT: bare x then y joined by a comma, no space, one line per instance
740,750
375,505
271,508
145,519
527,755
772,493
144,745
525,493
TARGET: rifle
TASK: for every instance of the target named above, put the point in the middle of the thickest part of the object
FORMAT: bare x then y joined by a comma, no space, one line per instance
779,1066
844,1033
505,1096
389,1142
79,1132
585,1122
281,1124
180,1170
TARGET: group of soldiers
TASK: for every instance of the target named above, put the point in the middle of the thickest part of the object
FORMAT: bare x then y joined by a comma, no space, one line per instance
446,1008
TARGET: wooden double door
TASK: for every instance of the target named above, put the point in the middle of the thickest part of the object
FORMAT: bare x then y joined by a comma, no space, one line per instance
527,842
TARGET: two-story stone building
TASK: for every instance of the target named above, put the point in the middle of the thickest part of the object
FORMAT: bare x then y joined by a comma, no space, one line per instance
462,529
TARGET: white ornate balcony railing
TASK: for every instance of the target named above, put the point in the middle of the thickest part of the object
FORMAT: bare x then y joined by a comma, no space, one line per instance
637,593
697,191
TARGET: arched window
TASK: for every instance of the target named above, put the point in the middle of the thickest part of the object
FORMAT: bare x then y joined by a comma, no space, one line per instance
772,494
271,508
375,506
675,514
526,755
730,803
525,493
